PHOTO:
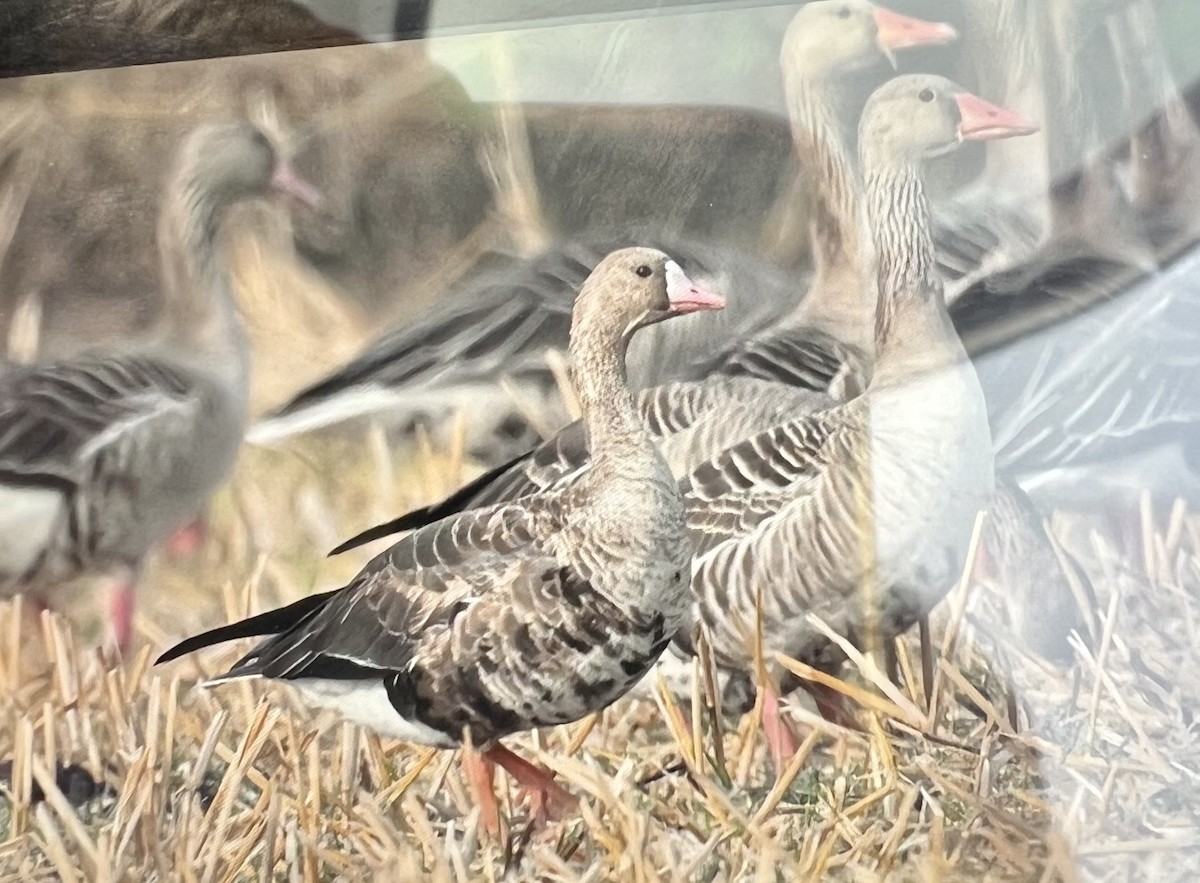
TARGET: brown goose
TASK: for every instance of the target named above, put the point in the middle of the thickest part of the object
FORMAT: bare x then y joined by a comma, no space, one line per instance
527,614
105,454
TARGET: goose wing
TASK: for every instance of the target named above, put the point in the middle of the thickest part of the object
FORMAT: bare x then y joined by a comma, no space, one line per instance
402,599
57,419
748,483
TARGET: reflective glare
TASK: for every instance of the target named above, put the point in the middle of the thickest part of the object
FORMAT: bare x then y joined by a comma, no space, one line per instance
810,391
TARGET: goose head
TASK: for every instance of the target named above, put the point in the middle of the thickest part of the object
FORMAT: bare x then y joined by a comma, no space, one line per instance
829,37
921,115
237,161
635,287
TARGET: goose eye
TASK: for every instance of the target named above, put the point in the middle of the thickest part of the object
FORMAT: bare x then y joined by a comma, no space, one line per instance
926,95
643,271
844,12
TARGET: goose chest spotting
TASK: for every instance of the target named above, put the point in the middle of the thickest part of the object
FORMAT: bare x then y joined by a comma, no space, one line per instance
530,613
105,454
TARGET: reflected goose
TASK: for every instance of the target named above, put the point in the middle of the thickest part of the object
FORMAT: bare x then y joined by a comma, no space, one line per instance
532,613
505,322
1047,217
861,514
786,512
105,454
1094,410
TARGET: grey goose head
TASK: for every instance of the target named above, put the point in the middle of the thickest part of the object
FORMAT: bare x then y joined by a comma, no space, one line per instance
835,36
232,162
635,287
916,116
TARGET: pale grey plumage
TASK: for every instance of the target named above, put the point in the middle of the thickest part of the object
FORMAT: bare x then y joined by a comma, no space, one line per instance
103,455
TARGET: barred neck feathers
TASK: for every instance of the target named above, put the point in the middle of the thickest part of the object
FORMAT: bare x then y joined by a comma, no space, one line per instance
906,263
821,148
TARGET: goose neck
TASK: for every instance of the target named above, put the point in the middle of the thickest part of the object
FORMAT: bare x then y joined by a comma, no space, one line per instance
821,150
197,284
906,265
598,372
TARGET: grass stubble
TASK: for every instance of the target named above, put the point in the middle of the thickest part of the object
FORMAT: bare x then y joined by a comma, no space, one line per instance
1100,781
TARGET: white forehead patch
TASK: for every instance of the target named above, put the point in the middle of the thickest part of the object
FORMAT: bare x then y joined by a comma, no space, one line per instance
677,280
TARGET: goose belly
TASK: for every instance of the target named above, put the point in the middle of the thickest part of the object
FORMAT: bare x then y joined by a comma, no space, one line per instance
930,472
154,485
366,703
30,520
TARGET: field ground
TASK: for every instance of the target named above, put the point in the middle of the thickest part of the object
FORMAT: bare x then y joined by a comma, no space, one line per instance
242,783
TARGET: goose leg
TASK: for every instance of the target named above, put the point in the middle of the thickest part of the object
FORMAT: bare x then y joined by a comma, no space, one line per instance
548,801
186,541
479,770
775,728
121,605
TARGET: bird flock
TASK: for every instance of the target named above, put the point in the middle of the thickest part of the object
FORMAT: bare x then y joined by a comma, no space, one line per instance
769,466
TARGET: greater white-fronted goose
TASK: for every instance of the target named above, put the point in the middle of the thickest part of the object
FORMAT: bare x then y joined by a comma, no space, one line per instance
105,454
532,613
505,322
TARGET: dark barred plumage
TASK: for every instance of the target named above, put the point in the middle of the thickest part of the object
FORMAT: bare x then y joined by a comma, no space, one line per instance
524,614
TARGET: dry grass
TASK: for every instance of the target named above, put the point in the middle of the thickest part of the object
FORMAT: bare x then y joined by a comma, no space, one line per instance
243,783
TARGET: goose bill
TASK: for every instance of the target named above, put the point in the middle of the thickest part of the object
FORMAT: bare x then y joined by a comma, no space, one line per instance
980,120
685,296
894,31
286,181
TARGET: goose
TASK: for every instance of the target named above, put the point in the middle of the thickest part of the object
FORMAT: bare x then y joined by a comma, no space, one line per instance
531,613
506,320
105,454
1048,207
872,498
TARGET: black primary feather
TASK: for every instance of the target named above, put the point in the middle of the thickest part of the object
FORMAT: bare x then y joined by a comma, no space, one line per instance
273,622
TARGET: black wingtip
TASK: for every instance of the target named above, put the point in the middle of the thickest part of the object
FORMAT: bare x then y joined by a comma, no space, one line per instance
270,623
459,501
408,521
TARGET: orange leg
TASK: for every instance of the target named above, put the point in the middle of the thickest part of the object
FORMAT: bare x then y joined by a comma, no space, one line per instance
187,541
479,772
548,801
121,604
775,728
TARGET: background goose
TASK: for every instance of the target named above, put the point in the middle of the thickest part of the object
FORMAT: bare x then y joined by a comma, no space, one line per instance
507,319
1038,199
103,455
779,515
528,614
